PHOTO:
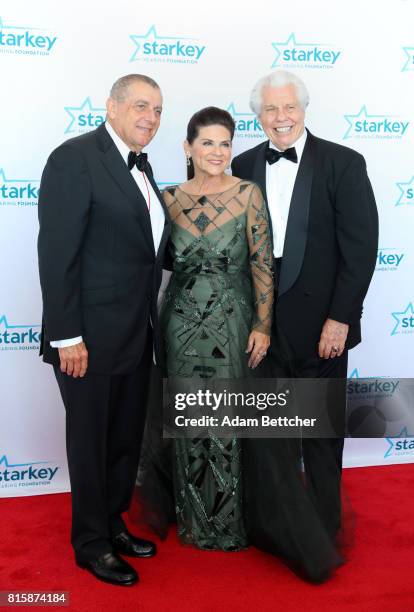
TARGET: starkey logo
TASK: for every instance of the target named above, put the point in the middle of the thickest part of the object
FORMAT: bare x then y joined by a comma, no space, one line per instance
18,192
403,320
152,47
294,54
24,40
18,337
389,259
247,123
84,117
401,445
378,407
406,189
14,475
365,125
359,387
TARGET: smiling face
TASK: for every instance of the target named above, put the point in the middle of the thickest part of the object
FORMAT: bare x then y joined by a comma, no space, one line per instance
210,150
282,117
136,118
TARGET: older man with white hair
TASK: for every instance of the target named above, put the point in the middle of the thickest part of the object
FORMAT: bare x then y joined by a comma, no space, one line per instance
325,228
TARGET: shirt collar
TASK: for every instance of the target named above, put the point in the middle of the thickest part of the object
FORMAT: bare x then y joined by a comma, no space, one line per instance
119,143
299,145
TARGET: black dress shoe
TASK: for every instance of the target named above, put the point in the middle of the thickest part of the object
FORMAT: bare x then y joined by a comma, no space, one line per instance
111,568
127,544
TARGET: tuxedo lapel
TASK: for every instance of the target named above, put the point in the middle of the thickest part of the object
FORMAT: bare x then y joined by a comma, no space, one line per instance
297,224
151,179
167,223
118,169
259,168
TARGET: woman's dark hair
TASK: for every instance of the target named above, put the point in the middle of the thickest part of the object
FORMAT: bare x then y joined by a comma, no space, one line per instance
211,115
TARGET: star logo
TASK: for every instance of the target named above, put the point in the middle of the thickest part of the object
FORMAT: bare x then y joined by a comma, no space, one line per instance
16,38
14,337
290,42
390,439
407,193
91,116
3,179
398,316
232,110
356,375
4,27
294,52
4,461
409,64
150,36
4,325
247,123
364,125
363,114
18,192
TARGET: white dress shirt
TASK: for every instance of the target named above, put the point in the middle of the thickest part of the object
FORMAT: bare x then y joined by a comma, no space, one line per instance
156,212
280,180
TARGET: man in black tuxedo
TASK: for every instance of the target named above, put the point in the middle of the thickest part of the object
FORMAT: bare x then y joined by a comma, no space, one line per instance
103,230
325,227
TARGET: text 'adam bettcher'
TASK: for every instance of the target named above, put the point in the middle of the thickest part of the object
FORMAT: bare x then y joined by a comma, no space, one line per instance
260,401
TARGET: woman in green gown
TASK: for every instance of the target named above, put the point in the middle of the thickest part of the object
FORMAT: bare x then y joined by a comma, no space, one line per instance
216,318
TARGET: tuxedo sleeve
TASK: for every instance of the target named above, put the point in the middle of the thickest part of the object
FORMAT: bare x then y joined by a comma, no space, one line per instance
357,236
64,204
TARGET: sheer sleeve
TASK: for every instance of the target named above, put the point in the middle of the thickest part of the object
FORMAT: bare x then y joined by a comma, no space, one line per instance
261,260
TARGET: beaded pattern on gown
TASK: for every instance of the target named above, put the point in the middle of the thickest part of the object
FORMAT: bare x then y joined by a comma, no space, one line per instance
221,288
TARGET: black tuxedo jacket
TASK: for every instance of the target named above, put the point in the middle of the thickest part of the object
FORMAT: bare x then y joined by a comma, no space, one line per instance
98,269
331,241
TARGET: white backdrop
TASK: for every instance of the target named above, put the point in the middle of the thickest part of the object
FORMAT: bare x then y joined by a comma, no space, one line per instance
58,61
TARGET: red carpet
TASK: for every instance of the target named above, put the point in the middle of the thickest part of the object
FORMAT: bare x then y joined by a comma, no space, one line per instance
379,576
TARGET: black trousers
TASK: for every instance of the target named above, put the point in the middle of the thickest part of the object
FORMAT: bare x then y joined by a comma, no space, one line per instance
105,419
322,457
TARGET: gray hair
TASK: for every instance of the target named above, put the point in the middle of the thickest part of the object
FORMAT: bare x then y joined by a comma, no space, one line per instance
119,90
279,78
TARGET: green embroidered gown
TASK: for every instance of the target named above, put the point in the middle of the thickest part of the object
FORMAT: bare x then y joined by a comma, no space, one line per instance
220,290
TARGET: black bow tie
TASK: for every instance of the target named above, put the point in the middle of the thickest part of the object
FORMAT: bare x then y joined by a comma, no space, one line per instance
273,156
140,161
